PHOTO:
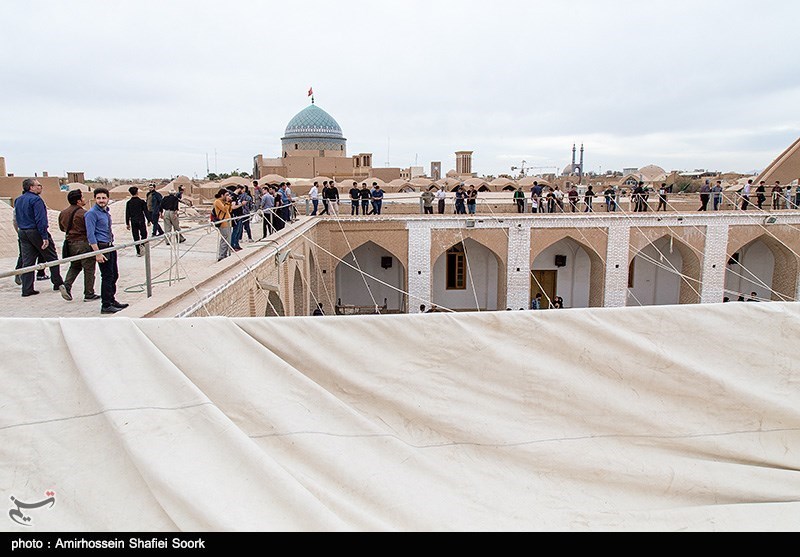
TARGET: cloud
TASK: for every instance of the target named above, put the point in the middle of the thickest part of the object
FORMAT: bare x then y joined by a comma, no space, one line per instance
148,88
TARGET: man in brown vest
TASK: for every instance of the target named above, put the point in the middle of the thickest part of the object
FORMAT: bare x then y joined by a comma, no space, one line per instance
71,221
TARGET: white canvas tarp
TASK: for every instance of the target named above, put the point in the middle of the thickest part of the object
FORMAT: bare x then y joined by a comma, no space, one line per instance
680,418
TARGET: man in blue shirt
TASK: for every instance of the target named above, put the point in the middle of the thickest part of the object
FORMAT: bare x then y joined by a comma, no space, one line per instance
100,237
35,240
377,199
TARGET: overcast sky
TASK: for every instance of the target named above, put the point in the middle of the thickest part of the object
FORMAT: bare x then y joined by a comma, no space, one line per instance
148,88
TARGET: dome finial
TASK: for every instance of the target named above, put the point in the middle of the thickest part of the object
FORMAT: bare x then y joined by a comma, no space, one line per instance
311,94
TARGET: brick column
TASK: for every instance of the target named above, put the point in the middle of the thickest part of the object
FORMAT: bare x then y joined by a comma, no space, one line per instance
616,291
715,261
419,265
518,282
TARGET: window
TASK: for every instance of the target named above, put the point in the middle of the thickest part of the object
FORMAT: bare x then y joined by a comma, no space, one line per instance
295,147
456,268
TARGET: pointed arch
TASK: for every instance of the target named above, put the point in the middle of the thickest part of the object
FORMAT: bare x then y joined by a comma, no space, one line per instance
690,268
597,268
359,240
782,277
274,305
383,281
298,293
482,271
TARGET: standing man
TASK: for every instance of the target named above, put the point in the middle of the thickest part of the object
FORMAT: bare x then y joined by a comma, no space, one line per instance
136,218
427,202
237,212
334,199
355,199
797,197
100,237
154,200
256,194
761,194
267,207
572,195
313,194
662,197
377,198
365,197
777,193
536,196
179,195
746,195
71,220
290,199
461,196
246,200
638,198
587,199
277,212
35,240
472,199
286,206
519,199
326,209
222,209
441,196
705,193
169,211
717,191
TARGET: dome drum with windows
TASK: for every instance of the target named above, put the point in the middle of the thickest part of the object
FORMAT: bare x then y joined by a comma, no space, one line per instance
313,129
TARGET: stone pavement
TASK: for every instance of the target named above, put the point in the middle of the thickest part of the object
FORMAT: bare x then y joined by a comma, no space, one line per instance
198,252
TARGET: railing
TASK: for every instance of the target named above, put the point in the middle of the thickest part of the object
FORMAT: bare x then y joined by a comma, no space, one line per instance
172,237
346,309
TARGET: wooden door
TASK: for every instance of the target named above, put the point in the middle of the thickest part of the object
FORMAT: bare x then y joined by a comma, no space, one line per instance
544,282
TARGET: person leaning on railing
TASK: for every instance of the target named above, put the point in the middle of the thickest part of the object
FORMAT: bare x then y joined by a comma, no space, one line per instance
222,212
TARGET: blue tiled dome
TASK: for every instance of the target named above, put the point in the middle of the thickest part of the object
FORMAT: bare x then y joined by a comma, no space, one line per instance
313,122
313,129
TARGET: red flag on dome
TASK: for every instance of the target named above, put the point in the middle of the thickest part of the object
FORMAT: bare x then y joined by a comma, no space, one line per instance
310,92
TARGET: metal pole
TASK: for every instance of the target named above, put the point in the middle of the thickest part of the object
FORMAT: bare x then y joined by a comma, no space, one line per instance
148,279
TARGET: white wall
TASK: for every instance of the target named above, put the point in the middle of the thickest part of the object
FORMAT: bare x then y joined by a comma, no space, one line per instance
654,285
482,273
755,259
573,280
350,285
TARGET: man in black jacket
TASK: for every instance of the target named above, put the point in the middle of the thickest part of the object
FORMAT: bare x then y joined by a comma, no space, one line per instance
154,200
136,218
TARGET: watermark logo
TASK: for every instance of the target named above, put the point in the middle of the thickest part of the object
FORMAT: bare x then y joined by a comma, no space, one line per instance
17,515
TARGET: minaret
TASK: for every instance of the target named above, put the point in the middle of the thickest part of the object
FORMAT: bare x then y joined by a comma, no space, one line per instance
572,168
580,168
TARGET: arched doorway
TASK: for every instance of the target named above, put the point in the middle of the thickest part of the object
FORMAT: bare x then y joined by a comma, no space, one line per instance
467,278
665,272
274,305
570,270
383,281
298,293
764,266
